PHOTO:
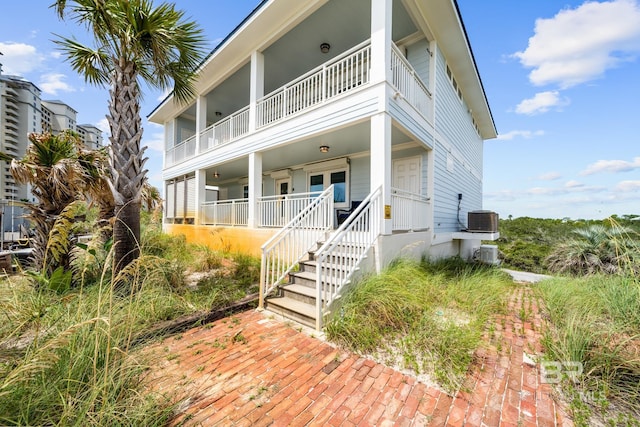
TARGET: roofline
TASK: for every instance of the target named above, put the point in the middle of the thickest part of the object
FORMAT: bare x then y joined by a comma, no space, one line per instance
215,49
475,65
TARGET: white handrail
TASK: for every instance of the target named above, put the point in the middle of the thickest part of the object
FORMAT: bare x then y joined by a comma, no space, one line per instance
346,248
285,249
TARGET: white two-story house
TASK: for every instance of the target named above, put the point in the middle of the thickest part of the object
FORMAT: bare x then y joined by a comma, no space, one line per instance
330,137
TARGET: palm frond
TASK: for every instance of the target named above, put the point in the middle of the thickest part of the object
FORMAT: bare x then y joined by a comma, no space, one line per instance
93,64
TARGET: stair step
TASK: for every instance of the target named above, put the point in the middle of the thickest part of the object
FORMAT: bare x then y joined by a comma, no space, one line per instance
302,293
312,265
306,278
293,309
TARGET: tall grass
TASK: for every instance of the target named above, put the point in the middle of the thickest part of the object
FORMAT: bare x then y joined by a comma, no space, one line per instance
67,358
596,322
428,317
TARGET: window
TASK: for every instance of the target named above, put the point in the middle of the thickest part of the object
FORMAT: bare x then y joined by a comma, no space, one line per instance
320,181
245,192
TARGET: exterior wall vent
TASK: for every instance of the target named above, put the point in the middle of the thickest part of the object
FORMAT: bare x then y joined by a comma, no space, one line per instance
482,221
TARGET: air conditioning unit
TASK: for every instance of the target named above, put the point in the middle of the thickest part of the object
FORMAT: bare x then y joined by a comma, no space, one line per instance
482,221
489,254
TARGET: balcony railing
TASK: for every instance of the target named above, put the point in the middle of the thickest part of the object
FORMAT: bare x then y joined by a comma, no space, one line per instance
226,130
407,82
183,151
277,211
346,72
343,73
273,211
234,212
410,211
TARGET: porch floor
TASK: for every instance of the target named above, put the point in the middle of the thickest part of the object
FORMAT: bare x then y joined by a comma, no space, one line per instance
254,370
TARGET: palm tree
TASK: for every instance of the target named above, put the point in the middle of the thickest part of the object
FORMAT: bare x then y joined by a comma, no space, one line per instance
56,167
596,249
133,41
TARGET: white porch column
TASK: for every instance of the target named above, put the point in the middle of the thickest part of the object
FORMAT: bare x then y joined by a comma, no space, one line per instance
201,194
201,119
381,26
255,187
256,90
381,165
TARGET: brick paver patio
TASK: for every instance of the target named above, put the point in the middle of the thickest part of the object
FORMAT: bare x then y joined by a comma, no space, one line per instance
252,370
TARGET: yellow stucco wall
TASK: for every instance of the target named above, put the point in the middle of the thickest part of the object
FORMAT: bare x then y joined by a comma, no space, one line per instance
231,239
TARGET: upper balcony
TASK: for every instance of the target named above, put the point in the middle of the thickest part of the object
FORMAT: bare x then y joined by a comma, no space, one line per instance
291,58
335,78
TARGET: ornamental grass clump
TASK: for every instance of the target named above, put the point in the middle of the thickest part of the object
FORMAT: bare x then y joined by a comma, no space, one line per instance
428,317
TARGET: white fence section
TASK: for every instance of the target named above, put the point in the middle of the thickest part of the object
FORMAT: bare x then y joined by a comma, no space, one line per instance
340,255
225,212
183,151
345,72
276,211
409,84
226,130
410,210
285,249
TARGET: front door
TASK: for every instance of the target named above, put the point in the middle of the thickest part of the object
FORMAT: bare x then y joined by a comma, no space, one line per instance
282,207
406,174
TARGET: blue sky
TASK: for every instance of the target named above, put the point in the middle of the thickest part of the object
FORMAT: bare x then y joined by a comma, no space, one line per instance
561,78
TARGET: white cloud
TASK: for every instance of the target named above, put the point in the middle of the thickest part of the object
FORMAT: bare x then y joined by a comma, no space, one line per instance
526,134
627,186
611,166
20,58
154,142
573,184
549,176
54,83
541,103
103,125
579,45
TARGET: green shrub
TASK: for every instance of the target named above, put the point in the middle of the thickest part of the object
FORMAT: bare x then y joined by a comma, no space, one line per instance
428,316
595,322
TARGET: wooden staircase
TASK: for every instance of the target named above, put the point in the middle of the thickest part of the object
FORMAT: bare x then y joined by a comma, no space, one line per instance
296,300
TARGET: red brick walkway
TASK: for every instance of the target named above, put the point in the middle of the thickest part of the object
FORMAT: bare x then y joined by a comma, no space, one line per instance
250,370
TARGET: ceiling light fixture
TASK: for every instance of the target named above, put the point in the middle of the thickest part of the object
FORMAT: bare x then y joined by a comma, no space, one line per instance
324,47
216,174
324,148
218,113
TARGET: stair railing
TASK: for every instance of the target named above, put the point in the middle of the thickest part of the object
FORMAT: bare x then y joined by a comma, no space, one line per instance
287,247
339,257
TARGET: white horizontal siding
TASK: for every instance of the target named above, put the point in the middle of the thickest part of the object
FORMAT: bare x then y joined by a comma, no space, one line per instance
419,58
464,146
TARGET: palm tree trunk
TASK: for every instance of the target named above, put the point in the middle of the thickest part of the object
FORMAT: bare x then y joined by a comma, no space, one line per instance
126,235
127,162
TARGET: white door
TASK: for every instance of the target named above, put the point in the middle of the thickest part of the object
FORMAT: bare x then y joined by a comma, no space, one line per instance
283,209
406,174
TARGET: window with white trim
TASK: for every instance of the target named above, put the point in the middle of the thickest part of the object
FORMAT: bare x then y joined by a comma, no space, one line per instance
321,180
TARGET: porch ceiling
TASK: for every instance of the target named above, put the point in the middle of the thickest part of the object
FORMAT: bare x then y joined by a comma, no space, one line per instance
290,51
342,143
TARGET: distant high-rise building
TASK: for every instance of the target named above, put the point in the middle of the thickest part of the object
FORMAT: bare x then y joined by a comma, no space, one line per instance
91,136
21,112
58,116
19,115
